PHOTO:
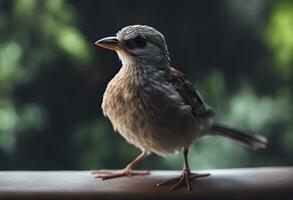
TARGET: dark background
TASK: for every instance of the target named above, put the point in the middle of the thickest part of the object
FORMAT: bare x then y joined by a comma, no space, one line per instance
238,53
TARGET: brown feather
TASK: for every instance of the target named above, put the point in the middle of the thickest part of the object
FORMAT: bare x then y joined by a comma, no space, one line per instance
190,95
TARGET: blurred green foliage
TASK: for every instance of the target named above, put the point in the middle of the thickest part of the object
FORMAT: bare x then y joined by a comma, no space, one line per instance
238,53
280,37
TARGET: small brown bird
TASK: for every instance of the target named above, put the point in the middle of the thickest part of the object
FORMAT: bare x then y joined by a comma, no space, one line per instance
153,105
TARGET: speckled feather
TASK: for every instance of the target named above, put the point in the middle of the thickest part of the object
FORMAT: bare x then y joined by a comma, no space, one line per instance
147,108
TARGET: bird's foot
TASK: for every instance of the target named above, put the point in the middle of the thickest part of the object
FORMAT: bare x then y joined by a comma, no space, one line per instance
183,180
106,174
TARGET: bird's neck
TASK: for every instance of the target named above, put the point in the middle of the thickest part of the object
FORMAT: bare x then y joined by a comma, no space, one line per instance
146,71
130,61
137,68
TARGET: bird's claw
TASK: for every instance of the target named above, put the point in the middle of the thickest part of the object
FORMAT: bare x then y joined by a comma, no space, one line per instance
105,174
182,180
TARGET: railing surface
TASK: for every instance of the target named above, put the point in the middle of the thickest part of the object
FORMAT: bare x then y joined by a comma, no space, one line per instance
249,184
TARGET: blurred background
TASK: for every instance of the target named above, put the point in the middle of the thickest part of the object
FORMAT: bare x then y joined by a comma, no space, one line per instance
238,53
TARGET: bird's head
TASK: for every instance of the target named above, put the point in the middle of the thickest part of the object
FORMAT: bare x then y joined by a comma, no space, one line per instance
137,43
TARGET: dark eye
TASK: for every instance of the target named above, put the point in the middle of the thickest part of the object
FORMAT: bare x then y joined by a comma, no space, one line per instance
137,42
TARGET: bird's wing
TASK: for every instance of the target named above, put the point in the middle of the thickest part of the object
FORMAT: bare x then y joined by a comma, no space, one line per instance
190,95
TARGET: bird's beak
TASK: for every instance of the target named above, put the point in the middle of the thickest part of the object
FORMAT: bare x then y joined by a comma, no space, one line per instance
109,43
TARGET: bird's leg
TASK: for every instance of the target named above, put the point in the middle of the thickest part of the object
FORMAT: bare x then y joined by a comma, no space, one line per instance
127,171
185,177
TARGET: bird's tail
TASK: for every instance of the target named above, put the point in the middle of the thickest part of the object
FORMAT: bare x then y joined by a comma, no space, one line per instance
251,141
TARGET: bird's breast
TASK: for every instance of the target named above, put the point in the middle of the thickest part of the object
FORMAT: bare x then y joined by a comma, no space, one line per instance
148,113
126,101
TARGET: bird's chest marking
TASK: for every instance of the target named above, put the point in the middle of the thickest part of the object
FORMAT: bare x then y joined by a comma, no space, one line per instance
125,105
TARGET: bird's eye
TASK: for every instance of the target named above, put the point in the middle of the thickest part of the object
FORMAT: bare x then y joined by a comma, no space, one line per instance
139,41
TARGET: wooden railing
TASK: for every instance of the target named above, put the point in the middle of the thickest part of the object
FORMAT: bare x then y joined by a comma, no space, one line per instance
248,184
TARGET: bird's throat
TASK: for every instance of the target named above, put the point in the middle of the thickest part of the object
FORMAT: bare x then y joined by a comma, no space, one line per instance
126,59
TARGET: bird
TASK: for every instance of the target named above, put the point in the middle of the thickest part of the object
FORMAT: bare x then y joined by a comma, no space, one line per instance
155,107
